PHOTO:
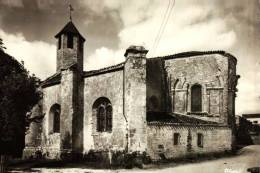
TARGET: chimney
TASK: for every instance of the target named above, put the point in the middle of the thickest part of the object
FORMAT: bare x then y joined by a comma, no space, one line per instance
136,51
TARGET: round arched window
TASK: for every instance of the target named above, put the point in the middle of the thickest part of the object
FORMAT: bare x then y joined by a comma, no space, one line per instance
103,111
54,118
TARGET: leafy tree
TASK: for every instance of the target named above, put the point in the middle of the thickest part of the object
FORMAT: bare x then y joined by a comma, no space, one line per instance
18,94
2,47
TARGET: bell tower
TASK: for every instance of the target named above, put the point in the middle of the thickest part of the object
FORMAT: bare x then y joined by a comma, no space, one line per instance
70,45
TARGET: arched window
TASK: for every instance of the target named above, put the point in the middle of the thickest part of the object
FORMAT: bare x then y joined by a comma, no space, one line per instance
102,109
196,98
54,118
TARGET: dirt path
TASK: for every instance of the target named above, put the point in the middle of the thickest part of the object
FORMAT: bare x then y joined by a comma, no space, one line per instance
248,157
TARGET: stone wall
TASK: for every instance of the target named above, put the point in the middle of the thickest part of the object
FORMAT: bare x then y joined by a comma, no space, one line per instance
135,101
232,89
68,109
209,71
161,141
50,141
109,85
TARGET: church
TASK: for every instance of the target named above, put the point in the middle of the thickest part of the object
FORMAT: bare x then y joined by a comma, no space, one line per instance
164,107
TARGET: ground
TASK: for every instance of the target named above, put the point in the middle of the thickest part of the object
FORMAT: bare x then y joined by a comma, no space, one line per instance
246,158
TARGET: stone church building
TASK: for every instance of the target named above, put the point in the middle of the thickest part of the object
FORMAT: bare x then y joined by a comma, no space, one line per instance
166,107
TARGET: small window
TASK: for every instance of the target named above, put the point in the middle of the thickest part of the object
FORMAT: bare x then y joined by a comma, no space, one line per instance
196,98
59,43
200,140
70,41
160,146
176,139
255,122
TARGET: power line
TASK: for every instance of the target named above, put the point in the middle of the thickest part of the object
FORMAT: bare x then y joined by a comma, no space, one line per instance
173,2
159,31
163,26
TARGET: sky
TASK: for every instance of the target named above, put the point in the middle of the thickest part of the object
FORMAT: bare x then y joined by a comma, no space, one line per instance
27,28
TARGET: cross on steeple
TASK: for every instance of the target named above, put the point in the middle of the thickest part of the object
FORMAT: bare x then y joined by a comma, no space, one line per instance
70,11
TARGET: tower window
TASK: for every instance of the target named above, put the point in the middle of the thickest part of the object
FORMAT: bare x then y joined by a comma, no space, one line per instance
200,140
176,139
70,41
80,45
196,98
59,43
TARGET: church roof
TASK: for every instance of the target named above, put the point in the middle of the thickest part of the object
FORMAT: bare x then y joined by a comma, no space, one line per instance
165,118
69,28
195,53
251,115
104,70
55,79
52,80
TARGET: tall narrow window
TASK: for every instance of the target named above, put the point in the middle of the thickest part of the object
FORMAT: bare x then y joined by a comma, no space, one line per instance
56,122
101,119
54,119
176,139
109,118
196,98
80,46
70,41
103,112
59,42
200,140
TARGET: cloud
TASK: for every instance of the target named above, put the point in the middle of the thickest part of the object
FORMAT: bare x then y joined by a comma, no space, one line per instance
248,99
39,57
12,3
111,26
188,27
104,57
193,25
40,20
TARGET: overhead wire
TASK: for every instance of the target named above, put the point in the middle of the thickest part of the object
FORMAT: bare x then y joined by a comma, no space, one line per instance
159,31
163,25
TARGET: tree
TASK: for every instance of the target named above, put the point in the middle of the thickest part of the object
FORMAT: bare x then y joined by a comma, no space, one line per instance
2,47
18,94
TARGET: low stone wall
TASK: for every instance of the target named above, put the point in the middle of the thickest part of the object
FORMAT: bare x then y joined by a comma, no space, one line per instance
161,141
41,153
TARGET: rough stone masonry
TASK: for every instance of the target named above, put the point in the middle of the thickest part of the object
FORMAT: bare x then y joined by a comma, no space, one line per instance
163,107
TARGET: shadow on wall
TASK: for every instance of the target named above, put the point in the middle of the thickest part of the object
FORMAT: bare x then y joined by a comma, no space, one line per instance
66,142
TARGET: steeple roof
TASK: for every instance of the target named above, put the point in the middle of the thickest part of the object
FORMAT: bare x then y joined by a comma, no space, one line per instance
69,28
